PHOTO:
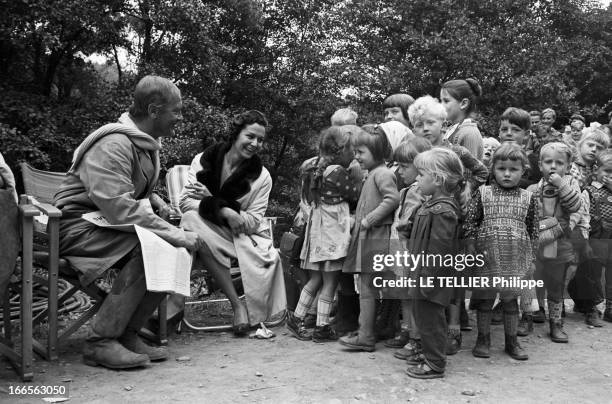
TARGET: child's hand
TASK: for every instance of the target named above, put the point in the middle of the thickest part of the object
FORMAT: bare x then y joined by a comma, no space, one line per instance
555,179
364,224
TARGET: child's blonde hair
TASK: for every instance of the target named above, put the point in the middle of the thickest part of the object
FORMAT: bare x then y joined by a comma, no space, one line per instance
423,105
407,151
596,135
344,116
559,148
445,166
490,141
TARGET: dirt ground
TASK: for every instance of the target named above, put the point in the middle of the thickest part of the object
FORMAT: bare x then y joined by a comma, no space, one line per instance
219,368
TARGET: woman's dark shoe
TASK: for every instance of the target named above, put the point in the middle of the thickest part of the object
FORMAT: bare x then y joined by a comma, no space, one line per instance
556,331
398,342
525,325
514,349
482,347
453,342
423,371
240,329
297,328
539,316
324,333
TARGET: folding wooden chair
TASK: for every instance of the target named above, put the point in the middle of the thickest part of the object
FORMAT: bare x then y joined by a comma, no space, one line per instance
176,179
40,187
21,360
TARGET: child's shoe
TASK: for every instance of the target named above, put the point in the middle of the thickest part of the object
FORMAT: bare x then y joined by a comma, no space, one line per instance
592,318
324,333
525,325
415,359
453,341
514,349
482,347
423,371
413,347
540,316
398,342
607,316
310,321
557,334
352,342
297,328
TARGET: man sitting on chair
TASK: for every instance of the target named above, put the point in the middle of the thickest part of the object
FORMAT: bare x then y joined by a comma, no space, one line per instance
114,171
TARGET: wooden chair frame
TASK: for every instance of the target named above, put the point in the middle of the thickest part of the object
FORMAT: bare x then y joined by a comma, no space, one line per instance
22,361
48,256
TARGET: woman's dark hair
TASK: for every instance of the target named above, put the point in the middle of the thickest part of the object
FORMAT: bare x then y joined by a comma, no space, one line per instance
460,89
243,120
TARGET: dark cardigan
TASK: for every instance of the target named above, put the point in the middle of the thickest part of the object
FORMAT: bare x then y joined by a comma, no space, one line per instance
237,184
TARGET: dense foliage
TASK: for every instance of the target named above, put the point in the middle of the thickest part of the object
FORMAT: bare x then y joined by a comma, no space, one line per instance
295,60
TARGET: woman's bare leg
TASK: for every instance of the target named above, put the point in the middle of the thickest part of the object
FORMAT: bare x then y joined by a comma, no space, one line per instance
224,280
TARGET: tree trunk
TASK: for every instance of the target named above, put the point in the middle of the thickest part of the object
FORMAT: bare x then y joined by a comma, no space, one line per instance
279,159
52,65
119,72
145,55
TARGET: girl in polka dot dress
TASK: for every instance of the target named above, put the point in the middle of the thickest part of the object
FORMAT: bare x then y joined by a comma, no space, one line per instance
329,189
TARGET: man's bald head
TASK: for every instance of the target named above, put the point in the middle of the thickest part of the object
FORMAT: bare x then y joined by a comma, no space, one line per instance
152,90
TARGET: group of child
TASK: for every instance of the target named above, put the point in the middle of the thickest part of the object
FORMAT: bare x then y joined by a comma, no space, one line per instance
527,202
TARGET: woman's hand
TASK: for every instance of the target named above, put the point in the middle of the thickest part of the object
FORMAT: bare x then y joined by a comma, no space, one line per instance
364,224
193,241
197,190
235,221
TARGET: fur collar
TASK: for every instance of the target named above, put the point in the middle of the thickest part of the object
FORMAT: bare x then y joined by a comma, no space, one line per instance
239,182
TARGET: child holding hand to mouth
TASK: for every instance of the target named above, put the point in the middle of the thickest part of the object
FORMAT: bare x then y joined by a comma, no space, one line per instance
559,196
